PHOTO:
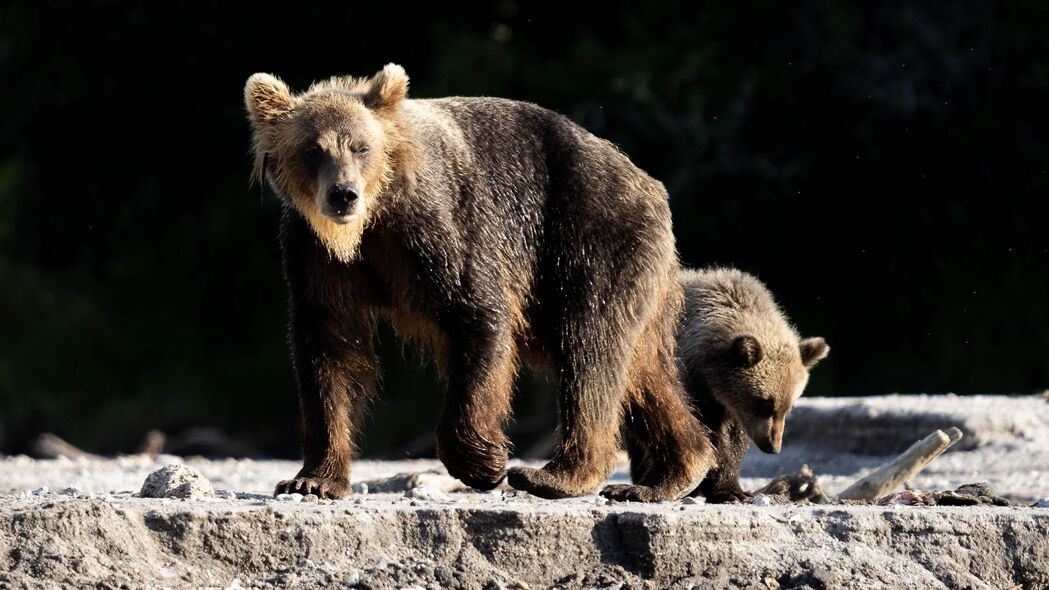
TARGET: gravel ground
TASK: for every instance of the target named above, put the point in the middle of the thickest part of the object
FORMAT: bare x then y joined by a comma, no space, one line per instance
88,528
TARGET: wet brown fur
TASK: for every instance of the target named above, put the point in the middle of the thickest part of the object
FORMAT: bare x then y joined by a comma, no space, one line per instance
743,365
490,233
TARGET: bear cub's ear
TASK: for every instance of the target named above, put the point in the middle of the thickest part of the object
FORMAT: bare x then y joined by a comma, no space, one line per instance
746,351
813,350
267,98
387,89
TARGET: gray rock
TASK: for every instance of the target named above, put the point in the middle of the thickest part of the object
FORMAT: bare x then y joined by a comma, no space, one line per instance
290,497
176,481
1043,503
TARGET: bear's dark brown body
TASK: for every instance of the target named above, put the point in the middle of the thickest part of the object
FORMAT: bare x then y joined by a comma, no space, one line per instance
497,232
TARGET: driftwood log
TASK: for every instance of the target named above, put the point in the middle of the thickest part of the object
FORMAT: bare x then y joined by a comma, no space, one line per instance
895,473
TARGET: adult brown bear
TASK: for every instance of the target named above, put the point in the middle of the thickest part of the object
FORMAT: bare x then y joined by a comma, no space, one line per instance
487,231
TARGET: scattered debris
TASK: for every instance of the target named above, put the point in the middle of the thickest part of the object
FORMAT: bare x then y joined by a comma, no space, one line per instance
972,494
901,469
153,443
176,481
799,487
403,482
52,446
203,441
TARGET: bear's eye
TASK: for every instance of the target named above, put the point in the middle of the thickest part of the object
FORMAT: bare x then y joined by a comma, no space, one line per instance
312,154
764,407
360,149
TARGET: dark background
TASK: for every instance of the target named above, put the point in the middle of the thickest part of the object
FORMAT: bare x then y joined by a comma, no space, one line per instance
882,166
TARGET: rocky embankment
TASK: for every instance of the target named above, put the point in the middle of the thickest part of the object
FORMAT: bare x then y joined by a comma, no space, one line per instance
82,523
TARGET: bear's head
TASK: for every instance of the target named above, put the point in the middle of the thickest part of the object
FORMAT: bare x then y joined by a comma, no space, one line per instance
737,346
332,151
761,375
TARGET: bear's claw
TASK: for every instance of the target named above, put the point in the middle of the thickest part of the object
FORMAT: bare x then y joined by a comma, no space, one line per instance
477,461
730,497
322,487
622,492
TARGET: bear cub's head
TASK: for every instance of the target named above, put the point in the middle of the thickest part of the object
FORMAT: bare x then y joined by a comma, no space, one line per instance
737,346
330,152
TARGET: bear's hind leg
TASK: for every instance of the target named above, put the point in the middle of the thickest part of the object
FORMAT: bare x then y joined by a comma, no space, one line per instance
592,385
670,451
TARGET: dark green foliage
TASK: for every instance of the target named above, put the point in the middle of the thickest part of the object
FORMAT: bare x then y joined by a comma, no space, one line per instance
877,164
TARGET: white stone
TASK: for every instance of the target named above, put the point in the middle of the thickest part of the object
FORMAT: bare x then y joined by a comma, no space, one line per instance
427,493
360,488
290,497
762,501
176,481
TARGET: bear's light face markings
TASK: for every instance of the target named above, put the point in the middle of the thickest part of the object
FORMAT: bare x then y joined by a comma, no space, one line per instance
343,156
326,151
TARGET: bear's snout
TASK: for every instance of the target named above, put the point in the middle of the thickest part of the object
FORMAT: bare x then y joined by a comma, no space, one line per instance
768,446
341,199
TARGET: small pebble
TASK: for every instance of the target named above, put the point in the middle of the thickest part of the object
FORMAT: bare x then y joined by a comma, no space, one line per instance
290,497
693,500
310,498
360,488
70,492
601,500
762,501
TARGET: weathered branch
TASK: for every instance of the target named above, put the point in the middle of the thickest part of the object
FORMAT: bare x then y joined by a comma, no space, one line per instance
901,469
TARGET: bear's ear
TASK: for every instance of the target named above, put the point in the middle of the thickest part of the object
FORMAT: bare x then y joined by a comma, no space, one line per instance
267,98
813,350
746,351
387,89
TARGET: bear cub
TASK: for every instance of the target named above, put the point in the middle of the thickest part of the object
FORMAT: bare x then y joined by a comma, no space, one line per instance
743,365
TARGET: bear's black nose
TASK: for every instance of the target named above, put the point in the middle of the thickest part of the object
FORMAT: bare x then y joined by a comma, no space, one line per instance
341,198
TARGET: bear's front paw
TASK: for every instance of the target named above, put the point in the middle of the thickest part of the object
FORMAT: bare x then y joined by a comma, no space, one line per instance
476,460
730,497
322,487
622,492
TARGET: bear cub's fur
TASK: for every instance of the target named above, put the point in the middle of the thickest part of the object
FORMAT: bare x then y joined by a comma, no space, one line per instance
744,366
